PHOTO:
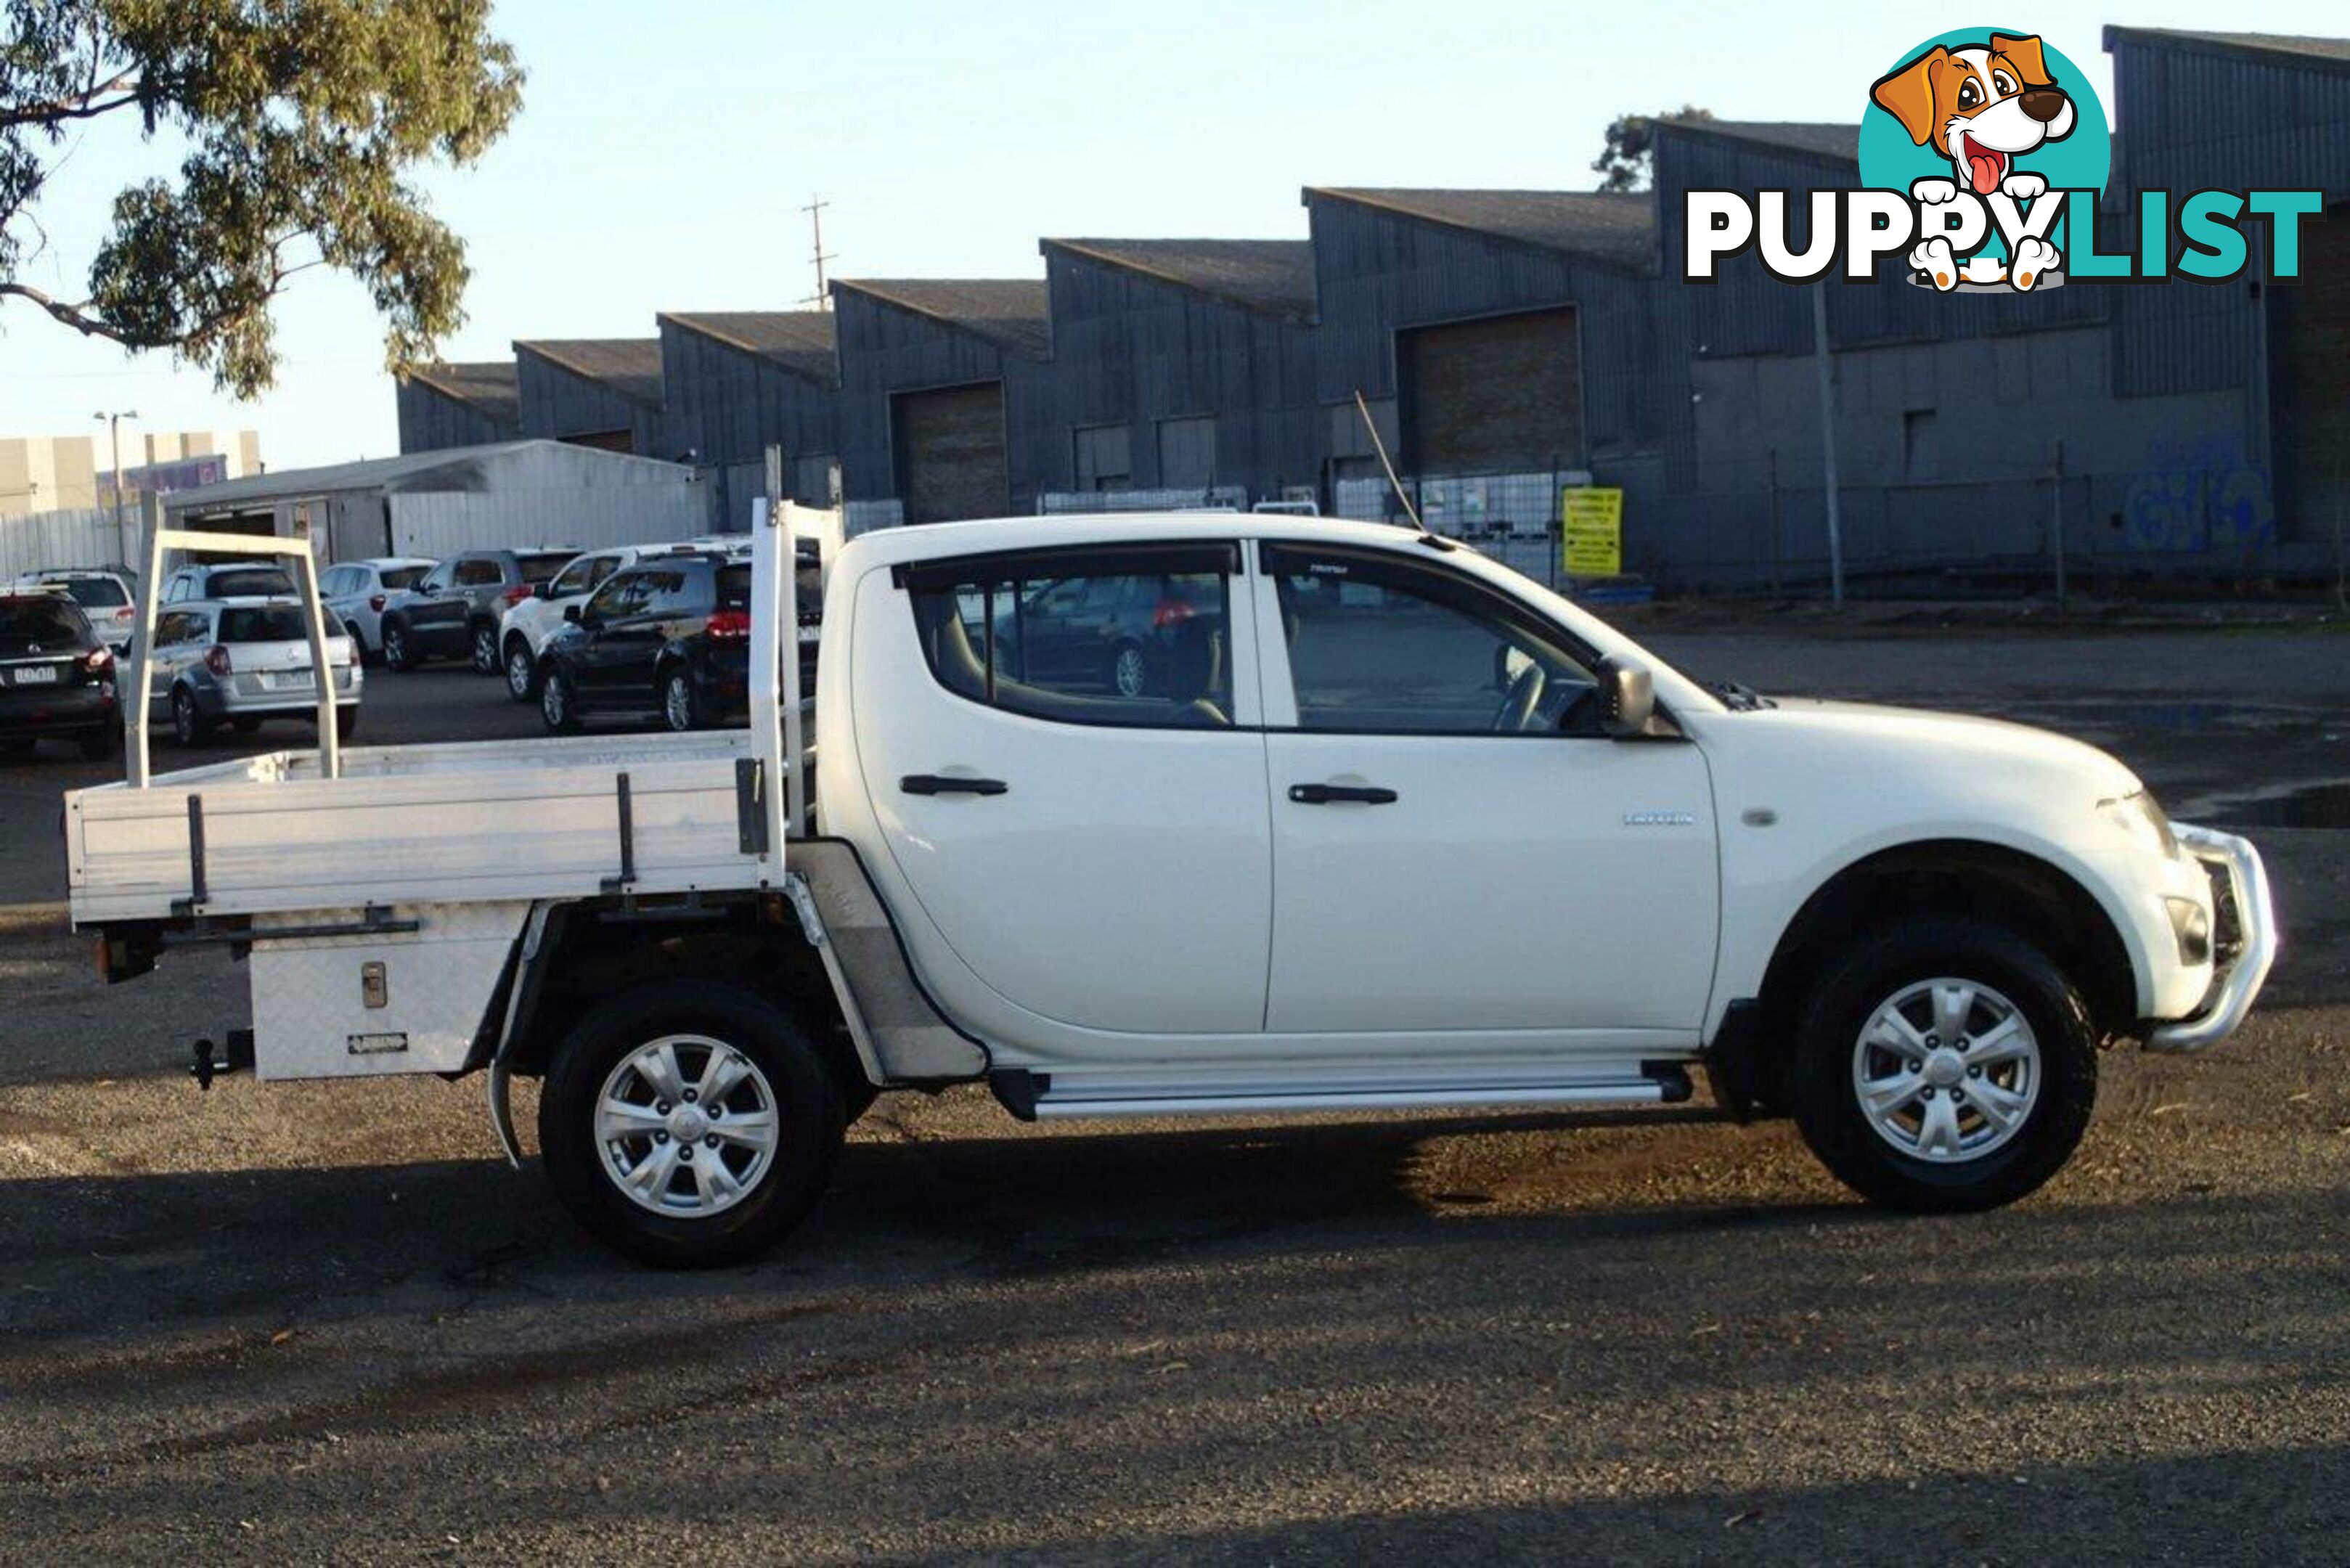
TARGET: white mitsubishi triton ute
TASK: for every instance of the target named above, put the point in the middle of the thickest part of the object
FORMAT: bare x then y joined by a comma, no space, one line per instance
1196,815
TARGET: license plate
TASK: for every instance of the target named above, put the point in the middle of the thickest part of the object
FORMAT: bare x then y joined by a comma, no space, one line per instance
35,675
283,679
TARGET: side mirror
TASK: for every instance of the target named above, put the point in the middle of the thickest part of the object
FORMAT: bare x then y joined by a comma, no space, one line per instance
571,614
544,591
1628,698
426,588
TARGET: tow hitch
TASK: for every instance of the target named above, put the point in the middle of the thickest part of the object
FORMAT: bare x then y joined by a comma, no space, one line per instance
236,1056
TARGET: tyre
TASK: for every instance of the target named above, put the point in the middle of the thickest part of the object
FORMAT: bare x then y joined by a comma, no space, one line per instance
1129,670
399,653
1943,1067
189,727
485,649
346,720
680,709
689,1125
522,669
101,744
559,704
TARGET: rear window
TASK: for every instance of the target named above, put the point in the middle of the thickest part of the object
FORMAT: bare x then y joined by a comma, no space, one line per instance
262,623
734,590
95,593
402,577
249,582
45,623
539,568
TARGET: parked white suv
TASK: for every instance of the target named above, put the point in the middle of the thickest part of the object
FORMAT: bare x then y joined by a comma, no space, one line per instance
529,624
105,597
1386,824
356,591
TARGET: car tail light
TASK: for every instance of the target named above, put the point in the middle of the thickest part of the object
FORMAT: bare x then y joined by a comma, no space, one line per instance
516,594
98,658
126,612
216,659
728,626
375,603
1172,612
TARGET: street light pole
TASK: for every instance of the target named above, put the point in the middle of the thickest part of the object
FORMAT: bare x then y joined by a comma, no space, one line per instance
114,431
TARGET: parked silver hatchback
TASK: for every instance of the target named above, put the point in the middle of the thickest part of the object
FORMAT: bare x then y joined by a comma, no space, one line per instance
239,661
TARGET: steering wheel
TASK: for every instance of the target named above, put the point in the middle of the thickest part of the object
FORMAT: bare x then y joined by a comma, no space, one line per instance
1518,705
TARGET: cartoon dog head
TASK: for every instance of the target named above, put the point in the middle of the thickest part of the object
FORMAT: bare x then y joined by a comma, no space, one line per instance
1981,107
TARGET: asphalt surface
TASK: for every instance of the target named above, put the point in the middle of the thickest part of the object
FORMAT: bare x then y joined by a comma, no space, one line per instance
313,1321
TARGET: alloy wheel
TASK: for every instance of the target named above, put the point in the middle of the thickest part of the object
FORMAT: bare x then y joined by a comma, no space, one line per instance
1946,1070
687,1126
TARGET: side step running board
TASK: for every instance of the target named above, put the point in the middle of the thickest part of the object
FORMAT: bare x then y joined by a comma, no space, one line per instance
1036,1096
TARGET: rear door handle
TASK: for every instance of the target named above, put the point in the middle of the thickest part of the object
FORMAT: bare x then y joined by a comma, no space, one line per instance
941,784
1327,794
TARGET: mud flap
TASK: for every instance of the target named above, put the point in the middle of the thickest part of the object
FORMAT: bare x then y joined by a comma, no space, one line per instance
899,1031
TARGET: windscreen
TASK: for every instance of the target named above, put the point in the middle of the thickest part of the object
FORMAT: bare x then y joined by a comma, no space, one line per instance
263,623
249,582
43,623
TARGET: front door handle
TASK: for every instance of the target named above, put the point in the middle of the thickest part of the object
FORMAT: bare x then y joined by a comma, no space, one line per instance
941,784
1328,794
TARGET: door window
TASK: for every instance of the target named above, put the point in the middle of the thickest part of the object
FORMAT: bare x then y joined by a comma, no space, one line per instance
676,591
1130,635
623,594
478,573
439,578
178,626
1384,646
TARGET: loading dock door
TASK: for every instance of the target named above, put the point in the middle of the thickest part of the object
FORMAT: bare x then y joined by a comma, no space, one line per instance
950,453
2313,426
1499,395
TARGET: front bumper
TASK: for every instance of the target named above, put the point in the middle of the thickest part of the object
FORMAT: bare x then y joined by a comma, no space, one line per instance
2245,930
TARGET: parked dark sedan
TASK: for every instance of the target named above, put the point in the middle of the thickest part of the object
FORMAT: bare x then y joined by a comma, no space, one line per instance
1117,633
667,639
454,612
56,677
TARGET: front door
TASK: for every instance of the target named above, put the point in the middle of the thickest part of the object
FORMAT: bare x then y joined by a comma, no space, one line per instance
1093,858
1456,845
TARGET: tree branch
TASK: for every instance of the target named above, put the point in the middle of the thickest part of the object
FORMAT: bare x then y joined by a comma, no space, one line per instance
87,104
77,316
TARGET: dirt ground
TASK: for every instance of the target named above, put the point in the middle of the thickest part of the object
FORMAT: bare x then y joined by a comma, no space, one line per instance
312,1321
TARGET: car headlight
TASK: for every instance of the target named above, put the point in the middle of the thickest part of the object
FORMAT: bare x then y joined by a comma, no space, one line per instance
2138,814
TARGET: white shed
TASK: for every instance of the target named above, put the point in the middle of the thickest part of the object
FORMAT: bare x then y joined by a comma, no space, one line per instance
460,498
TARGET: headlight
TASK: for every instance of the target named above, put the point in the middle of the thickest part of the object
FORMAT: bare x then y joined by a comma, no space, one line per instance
2138,816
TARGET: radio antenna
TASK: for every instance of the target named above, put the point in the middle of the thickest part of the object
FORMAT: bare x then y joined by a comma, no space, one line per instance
1372,428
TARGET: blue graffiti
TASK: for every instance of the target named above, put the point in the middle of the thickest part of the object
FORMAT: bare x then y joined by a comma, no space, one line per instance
2199,496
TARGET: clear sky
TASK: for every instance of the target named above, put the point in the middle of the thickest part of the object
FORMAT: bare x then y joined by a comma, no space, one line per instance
663,149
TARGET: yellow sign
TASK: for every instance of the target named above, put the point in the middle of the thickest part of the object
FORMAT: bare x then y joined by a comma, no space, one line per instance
1594,520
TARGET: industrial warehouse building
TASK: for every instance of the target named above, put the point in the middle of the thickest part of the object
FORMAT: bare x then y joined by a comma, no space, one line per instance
1510,345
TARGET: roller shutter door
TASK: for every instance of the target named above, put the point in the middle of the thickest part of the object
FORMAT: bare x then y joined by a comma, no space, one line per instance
1500,395
950,453
2313,380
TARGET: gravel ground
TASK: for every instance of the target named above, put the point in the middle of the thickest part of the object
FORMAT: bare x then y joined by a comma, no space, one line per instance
302,1322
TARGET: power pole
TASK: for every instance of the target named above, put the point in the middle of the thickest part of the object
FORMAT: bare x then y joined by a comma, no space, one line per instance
822,298
114,431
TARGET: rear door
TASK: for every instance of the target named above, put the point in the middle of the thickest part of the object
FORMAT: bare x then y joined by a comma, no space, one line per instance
617,659
1097,861
1456,847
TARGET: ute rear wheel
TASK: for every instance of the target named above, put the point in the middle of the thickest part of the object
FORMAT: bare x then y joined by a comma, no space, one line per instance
1945,1065
689,1125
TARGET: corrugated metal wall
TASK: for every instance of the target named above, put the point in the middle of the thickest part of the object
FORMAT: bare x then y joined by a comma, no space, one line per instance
561,406
736,404
885,350
441,523
431,421
1134,352
84,537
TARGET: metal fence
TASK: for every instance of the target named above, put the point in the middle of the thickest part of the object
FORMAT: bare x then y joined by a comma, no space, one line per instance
442,522
83,537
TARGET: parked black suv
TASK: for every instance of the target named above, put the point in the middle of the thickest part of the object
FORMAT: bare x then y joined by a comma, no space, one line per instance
454,612
668,639
56,677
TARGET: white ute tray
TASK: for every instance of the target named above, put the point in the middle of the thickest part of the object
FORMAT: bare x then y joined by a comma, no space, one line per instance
487,820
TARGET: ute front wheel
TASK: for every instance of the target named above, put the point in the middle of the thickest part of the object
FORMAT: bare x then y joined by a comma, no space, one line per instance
689,1125
1945,1065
